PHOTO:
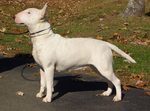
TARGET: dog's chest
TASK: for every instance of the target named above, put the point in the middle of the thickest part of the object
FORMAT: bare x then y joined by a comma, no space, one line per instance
37,56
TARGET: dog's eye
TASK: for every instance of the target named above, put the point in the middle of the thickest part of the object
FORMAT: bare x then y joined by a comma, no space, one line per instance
29,13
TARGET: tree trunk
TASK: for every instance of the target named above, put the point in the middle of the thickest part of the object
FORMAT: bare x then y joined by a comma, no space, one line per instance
134,8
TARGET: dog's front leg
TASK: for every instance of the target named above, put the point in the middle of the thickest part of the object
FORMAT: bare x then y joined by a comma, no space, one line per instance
43,84
49,74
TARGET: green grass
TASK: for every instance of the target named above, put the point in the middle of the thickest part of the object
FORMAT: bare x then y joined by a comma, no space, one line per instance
141,56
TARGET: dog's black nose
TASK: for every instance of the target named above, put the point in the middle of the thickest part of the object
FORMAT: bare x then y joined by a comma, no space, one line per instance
14,17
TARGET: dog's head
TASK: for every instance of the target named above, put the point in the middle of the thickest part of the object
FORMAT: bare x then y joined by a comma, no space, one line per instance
31,16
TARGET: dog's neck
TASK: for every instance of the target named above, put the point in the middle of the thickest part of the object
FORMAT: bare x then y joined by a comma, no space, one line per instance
40,29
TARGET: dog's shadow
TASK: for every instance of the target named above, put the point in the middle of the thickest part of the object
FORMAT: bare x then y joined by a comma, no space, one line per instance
11,63
67,84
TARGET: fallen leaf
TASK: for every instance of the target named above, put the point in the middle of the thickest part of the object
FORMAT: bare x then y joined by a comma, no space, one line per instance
36,74
126,76
127,66
99,30
60,11
54,29
24,36
3,29
126,61
1,77
115,54
99,38
125,88
1,11
138,31
119,70
101,25
115,36
64,33
32,65
123,28
138,28
4,53
15,49
101,19
105,27
80,23
18,41
142,75
19,93
147,93
98,95
126,23
17,31
140,83
135,77
57,24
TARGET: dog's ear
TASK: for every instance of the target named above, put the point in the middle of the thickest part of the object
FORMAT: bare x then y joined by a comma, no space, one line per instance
43,13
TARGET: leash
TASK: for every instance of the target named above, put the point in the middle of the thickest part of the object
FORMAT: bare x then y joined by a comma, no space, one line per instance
14,33
31,35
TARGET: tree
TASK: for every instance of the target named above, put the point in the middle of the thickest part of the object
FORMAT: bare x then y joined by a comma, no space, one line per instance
134,8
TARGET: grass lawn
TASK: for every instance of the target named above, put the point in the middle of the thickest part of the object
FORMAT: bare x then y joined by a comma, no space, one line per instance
86,18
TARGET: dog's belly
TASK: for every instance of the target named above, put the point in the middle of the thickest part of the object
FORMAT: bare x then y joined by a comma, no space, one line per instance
64,68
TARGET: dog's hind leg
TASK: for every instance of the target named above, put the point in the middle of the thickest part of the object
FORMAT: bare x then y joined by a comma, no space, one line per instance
110,85
43,84
107,72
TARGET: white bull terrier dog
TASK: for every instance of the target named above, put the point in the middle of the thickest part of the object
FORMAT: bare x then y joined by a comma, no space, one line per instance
54,52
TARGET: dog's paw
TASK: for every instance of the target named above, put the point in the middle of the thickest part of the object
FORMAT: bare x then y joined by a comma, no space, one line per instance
40,95
116,99
106,93
46,100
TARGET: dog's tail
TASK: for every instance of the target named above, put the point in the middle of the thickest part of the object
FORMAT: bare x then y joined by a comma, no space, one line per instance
120,52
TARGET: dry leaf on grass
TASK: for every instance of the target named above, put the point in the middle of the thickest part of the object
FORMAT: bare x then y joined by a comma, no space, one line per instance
116,35
137,77
119,70
99,38
123,28
101,25
14,48
64,33
115,54
101,19
3,53
18,41
127,66
126,24
126,61
3,29
140,83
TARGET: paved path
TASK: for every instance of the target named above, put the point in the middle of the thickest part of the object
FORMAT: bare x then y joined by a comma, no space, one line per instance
69,95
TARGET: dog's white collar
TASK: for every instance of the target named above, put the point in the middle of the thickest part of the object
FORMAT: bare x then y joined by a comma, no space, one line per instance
32,34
